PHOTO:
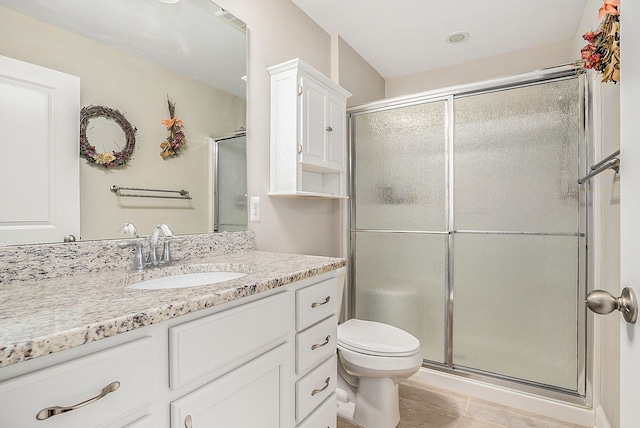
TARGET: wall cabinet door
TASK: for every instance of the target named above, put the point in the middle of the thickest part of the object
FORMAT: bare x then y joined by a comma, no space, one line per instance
313,124
264,383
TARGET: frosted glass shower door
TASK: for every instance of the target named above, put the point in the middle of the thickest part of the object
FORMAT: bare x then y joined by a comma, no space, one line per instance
517,239
399,226
231,184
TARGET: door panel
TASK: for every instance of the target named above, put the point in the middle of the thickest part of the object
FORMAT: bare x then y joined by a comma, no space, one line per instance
39,169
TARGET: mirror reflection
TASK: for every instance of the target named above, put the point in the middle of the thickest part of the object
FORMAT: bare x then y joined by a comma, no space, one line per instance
131,56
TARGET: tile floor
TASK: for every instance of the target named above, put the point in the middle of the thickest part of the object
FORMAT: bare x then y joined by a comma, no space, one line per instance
423,406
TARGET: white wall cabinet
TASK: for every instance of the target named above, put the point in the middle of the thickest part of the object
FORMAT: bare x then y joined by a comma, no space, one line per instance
235,366
308,132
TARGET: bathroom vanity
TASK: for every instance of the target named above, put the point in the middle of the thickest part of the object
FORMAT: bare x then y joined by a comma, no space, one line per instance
255,351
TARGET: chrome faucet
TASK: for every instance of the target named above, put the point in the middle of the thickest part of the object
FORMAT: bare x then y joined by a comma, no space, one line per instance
138,258
154,256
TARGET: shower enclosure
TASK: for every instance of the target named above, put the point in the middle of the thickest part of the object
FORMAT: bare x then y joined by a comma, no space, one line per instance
469,230
230,206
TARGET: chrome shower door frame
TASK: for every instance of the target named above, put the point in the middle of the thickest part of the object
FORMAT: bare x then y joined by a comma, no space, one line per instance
583,395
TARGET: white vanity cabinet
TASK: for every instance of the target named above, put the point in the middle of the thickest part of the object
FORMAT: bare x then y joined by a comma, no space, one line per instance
316,363
267,360
246,351
96,390
308,132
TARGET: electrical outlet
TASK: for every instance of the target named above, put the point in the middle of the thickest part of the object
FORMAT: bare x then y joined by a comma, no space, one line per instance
254,209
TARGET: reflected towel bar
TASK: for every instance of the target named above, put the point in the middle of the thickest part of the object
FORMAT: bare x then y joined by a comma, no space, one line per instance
610,162
184,194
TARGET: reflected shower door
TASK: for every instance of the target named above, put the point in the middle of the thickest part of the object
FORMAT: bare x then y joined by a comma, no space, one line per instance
399,176
517,236
231,184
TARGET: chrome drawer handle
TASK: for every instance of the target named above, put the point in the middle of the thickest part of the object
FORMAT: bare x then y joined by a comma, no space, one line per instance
316,304
318,391
188,422
57,410
320,345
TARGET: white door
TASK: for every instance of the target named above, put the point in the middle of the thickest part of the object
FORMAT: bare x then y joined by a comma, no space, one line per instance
39,153
630,208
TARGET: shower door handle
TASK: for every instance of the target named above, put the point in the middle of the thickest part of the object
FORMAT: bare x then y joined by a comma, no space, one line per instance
602,302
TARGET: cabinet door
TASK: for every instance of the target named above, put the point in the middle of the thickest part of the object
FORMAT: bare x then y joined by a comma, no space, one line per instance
313,124
256,394
336,137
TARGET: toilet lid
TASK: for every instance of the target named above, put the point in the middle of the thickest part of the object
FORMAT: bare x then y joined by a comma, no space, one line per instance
374,338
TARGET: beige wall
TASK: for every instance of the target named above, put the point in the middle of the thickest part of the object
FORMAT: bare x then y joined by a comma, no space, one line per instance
138,89
280,31
483,69
355,74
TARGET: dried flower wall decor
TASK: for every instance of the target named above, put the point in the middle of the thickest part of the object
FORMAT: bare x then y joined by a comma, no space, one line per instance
107,159
175,136
602,53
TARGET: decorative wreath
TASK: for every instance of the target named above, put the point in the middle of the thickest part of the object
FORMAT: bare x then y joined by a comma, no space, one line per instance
107,159
175,136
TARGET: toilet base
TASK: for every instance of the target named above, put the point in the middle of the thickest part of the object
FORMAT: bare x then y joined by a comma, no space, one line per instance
375,405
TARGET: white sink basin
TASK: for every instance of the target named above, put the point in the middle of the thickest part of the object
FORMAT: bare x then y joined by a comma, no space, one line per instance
183,276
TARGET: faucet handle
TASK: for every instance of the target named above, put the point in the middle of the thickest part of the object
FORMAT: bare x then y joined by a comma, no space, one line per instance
138,258
129,229
166,253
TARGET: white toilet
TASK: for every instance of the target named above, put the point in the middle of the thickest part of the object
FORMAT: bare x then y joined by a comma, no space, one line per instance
373,359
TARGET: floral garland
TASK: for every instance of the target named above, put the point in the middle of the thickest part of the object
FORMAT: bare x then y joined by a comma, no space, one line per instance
175,136
107,159
602,53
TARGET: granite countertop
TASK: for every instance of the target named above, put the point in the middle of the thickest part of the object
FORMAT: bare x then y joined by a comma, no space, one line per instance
39,317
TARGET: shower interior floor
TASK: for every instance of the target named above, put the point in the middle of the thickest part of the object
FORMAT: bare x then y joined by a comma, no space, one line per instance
423,406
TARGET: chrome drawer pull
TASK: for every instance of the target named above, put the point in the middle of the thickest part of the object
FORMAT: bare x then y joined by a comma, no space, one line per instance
315,305
318,391
188,423
57,410
320,345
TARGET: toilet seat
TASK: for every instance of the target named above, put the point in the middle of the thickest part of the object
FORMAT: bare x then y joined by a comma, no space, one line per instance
378,339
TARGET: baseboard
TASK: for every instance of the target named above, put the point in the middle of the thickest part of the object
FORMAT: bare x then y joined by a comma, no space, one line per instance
601,419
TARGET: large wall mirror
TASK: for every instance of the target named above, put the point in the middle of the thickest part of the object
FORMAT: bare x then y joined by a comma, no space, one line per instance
130,56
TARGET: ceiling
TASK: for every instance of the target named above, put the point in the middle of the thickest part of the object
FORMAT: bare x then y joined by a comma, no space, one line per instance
186,37
408,36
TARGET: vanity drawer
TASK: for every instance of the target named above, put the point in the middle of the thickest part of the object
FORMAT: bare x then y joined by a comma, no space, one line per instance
315,303
216,343
315,344
315,387
323,416
77,381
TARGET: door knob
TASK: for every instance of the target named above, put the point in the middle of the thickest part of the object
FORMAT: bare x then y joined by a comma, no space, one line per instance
602,302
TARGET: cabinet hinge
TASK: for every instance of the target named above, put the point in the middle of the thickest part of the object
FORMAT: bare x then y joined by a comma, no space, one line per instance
299,148
299,90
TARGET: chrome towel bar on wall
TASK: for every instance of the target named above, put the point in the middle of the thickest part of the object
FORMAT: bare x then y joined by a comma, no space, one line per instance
184,194
610,162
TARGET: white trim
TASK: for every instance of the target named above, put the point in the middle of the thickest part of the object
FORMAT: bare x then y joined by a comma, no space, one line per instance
529,403
601,419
